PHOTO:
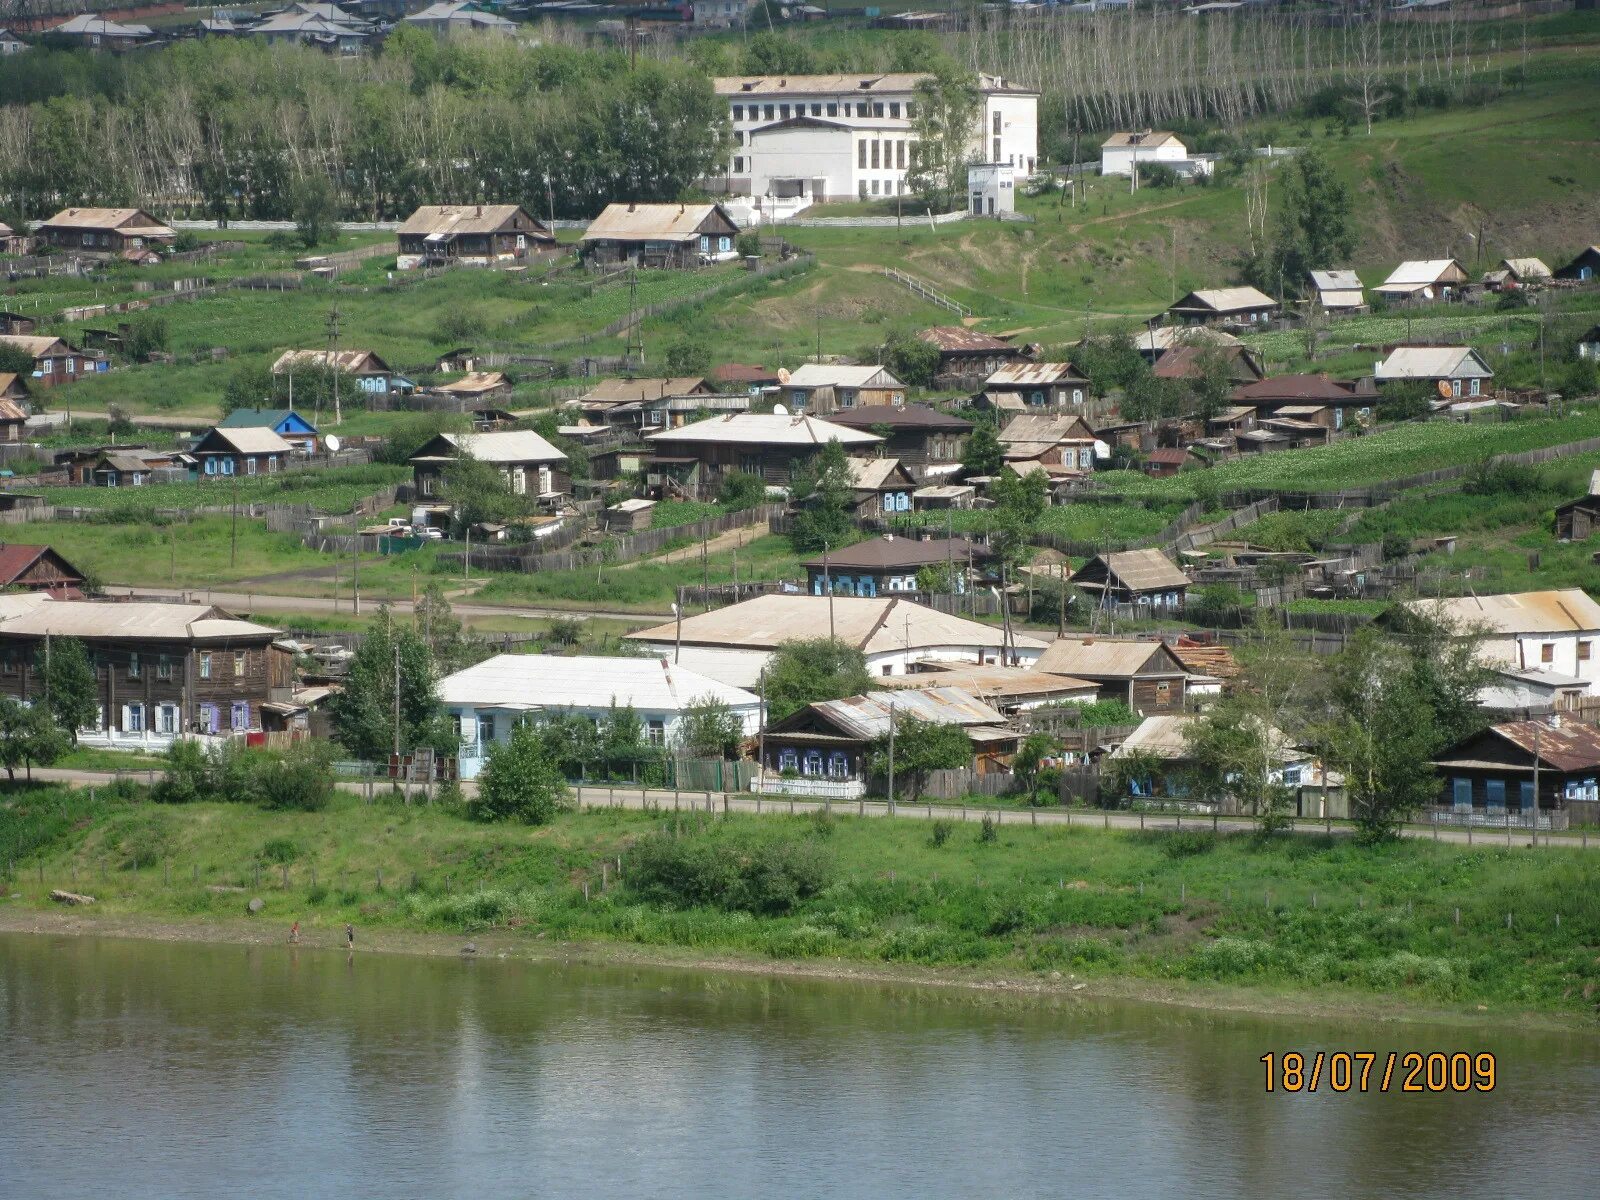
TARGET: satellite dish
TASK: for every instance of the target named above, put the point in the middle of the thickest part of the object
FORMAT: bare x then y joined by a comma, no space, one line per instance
779,410
332,442
783,375
1445,390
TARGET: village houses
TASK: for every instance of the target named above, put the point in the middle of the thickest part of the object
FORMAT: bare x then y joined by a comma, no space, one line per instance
54,361
1018,386
1239,306
695,458
104,231
1553,631
364,368
531,466
880,487
827,388
969,355
891,564
1339,291
1146,676
1454,371
478,235
928,440
660,235
1424,279
223,453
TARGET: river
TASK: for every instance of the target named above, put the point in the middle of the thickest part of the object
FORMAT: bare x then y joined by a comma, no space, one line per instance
150,1069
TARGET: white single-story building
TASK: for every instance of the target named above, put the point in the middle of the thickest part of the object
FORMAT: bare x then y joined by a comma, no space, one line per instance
1553,631
488,700
991,189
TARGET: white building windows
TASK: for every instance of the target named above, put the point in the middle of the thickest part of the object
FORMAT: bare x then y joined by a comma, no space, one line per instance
166,718
861,156
656,730
738,112
133,718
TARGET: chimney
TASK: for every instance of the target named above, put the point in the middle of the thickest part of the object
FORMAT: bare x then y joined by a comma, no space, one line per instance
480,210
1088,641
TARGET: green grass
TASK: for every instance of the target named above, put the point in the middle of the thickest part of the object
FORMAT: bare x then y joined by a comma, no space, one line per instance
1078,521
1165,907
1303,531
331,490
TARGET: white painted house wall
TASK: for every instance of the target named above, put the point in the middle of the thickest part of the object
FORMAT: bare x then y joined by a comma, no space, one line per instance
1575,654
1119,160
742,668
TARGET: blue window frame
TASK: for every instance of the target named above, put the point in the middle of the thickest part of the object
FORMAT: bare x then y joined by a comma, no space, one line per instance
1461,793
1526,797
1495,790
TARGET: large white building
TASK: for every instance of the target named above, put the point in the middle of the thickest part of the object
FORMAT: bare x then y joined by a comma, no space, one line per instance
849,137
1553,632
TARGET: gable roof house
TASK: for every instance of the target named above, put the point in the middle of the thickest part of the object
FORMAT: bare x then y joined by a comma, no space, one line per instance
1577,519
734,644
11,242
13,417
1224,306
131,466
1424,279
1010,690
890,564
1453,370
104,232
880,487
1146,578
1164,737
487,701
1589,342
1339,291
531,465
1146,676
1584,267
834,739
1019,386
968,354
927,439
97,33
1122,152
369,372
827,388
330,30
247,450
1313,398
1039,442
1189,361
660,235
460,16
479,387
289,425
39,569
1153,343
1491,774
54,361
770,445
10,43
1555,631
18,323
478,235
1514,273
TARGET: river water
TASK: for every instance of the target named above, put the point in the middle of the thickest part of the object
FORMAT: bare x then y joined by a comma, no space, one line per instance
142,1069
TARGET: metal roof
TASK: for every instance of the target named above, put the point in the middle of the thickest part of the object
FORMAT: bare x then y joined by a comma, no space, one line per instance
1163,736
1034,374
870,474
452,220
1526,268
1164,337
37,615
1010,683
889,552
107,218
645,222
1563,745
899,416
1567,611
31,343
505,446
1336,281
623,391
1415,274
1102,658
351,361
1030,430
252,439
552,682
1145,570
1141,139
474,383
1226,300
868,717
773,429
1294,387
773,86
842,375
957,339
1432,362
875,625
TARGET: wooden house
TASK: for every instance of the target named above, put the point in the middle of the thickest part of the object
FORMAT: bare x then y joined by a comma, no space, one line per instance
880,487
1424,279
1041,442
1491,774
11,242
104,232
95,32
125,468
1163,741
1584,267
476,387
1589,343
660,235
1021,386
630,516
824,389
54,361
917,435
1188,362
1454,371
1146,578
1146,676
649,404
289,425
39,569
890,564
1339,292
970,354
1165,461
1223,306
469,235
1577,519
13,418
1515,274
769,445
368,372
1305,397
531,466
223,453
17,323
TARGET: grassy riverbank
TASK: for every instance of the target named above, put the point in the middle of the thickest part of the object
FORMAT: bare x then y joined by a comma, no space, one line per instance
1323,920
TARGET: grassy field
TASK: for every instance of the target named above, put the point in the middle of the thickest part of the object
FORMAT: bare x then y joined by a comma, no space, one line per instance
1300,914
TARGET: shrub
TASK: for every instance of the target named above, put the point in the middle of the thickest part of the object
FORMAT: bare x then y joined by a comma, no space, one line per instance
718,870
520,782
141,839
300,778
1184,844
185,778
987,831
941,831
280,850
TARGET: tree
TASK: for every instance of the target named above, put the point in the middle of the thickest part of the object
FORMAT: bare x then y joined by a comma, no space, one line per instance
740,490
920,747
949,106
147,335
479,492
70,690
1030,759
1149,398
1130,774
947,578
1020,501
984,455
519,782
1109,362
1315,224
1212,389
451,646
28,737
708,728
911,360
14,360
803,672
315,210
824,487
364,711
688,357
1406,400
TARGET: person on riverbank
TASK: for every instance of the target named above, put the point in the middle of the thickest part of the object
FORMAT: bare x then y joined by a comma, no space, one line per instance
349,937
294,934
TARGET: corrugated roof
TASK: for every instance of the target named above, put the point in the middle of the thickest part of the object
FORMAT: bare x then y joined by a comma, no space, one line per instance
551,682
899,416
454,220
1146,570
641,222
632,391
355,361
1226,300
505,446
812,375
873,625
870,474
1432,362
1526,268
1107,658
1188,361
957,339
474,383
10,410
37,615
1164,337
1570,610
1033,374
249,418
252,439
1031,430
1294,387
868,717
1336,281
31,343
108,218
775,429
773,86
1163,736
1567,746
1419,273
1009,683
890,552
1144,139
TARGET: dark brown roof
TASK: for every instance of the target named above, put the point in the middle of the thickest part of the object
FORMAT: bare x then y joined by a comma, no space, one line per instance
1183,362
887,553
743,373
1293,389
954,339
15,559
1568,747
899,416
1168,455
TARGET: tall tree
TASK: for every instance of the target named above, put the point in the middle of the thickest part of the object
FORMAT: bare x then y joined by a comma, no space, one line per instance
364,712
803,672
479,492
1315,224
984,455
948,109
911,360
67,678
28,737
824,491
919,748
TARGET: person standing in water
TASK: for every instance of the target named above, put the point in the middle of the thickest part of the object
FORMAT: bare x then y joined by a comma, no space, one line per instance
349,937
294,934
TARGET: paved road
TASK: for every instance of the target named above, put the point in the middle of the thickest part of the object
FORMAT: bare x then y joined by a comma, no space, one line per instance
326,606
594,797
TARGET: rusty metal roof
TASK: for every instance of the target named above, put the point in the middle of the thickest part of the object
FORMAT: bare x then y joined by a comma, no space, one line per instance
957,339
1034,374
1564,745
868,716
1570,610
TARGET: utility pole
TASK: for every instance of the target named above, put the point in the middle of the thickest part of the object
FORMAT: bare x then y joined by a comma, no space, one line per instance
827,586
677,648
355,572
891,752
705,565
333,361
396,696
233,536
1534,829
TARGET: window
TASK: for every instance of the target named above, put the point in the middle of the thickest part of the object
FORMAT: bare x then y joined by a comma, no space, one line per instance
240,714
769,112
485,729
166,718
877,151
1525,795
911,110
888,668
133,718
738,112
227,466
997,150
997,124
816,110
863,109
875,187
1584,650
783,111
238,664
208,718
738,164
8,663
738,138
705,243
211,466
877,110
813,764
900,154
861,156
133,664
724,245
1495,790
838,765
788,760
163,667
1163,689
1474,386
656,730
1461,794
894,109
861,189
1547,652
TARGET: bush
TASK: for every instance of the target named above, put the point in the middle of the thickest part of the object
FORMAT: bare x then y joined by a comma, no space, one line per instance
987,831
300,778
737,874
186,777
1158,175
520,782
741,490
280,851
940,832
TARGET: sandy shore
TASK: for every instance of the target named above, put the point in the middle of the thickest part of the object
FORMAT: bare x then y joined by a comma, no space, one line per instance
982,987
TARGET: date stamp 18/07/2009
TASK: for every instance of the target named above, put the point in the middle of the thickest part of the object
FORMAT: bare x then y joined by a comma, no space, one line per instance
1410,1071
